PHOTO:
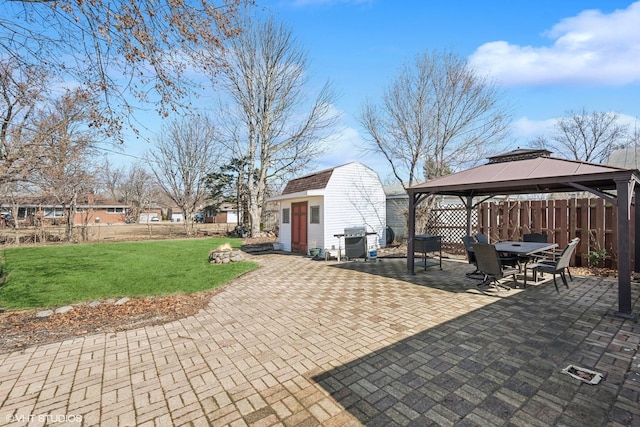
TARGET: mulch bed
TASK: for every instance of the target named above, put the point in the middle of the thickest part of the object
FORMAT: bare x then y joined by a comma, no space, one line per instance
23,329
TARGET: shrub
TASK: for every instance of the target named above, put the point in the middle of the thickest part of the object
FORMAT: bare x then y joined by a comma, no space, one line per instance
596,257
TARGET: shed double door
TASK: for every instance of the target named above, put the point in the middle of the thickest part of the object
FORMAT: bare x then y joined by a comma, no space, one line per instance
299,227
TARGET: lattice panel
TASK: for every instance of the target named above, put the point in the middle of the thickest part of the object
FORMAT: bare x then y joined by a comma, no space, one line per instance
450,222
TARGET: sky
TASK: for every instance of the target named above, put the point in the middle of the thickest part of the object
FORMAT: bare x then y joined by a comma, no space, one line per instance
548,57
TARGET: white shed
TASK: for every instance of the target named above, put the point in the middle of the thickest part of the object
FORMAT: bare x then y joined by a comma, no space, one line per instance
316,207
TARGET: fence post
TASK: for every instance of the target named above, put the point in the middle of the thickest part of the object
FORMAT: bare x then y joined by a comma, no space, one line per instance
591,219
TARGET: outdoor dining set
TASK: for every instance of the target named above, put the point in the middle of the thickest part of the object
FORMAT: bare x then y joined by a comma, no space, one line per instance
511,259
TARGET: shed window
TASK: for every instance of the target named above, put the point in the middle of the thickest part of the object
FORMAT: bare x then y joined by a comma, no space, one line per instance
285,216
315,215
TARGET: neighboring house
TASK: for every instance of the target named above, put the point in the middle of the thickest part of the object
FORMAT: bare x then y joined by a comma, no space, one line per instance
397,208
176,215
227,214
316,207
625,158
150,215
90,209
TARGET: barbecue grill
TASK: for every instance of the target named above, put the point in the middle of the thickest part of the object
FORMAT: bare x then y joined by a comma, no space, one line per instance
355,242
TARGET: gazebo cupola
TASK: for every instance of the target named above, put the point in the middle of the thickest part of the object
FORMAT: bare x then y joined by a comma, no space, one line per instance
519,154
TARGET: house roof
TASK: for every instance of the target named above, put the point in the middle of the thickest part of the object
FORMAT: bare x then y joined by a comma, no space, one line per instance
526,172
226,207
395,191
625,158
50,201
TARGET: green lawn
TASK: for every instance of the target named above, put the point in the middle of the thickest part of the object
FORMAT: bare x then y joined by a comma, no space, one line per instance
52,276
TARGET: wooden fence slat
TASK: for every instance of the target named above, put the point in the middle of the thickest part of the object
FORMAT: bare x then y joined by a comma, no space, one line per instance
593,220
562,219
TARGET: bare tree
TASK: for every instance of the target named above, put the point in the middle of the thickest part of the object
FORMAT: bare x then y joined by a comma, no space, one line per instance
185,154
634,135
65,170
586,136
120,48
111,179
437,115
274,123
133,185
10,196
21,91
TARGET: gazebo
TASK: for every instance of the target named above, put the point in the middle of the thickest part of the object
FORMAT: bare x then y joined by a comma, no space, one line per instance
527,171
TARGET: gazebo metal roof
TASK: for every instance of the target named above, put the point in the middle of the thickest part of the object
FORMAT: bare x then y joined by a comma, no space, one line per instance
536,175
526,171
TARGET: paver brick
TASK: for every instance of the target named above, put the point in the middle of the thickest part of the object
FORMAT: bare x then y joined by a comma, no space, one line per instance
299,342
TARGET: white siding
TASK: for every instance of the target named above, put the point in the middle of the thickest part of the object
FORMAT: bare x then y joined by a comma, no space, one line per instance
284,234
354,198
315,237
397,208
232,217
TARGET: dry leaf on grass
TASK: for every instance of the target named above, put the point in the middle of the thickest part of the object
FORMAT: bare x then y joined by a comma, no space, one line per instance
23,329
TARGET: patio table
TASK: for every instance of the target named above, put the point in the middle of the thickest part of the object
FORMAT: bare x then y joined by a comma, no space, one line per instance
524,250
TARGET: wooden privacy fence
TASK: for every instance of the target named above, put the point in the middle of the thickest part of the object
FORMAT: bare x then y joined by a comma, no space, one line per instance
593,220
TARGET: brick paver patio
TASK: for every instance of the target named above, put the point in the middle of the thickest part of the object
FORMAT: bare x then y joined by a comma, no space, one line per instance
301,343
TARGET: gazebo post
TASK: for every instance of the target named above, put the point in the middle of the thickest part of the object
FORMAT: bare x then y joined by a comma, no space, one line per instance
636,257
623,190
411,233
469,206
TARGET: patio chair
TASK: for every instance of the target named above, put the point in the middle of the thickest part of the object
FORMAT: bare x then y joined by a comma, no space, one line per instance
557,266
532,237
505,259
489,264
535,237
471,256
482,238
551,256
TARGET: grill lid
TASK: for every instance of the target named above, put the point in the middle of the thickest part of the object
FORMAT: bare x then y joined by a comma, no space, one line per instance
355,232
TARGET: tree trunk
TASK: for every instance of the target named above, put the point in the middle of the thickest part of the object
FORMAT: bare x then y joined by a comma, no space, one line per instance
70,220
255,212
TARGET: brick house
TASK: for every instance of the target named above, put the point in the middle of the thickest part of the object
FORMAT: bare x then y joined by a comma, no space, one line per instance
90,209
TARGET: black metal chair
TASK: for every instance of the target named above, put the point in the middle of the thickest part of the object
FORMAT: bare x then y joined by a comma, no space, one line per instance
558,265
482,238
471,256
532,237
505,259
489,264
535,237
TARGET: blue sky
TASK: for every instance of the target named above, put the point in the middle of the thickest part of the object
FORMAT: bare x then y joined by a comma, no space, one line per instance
547,56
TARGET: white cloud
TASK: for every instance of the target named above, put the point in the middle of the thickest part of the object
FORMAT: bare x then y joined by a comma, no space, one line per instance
345,146
340,148
527,130
589,48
